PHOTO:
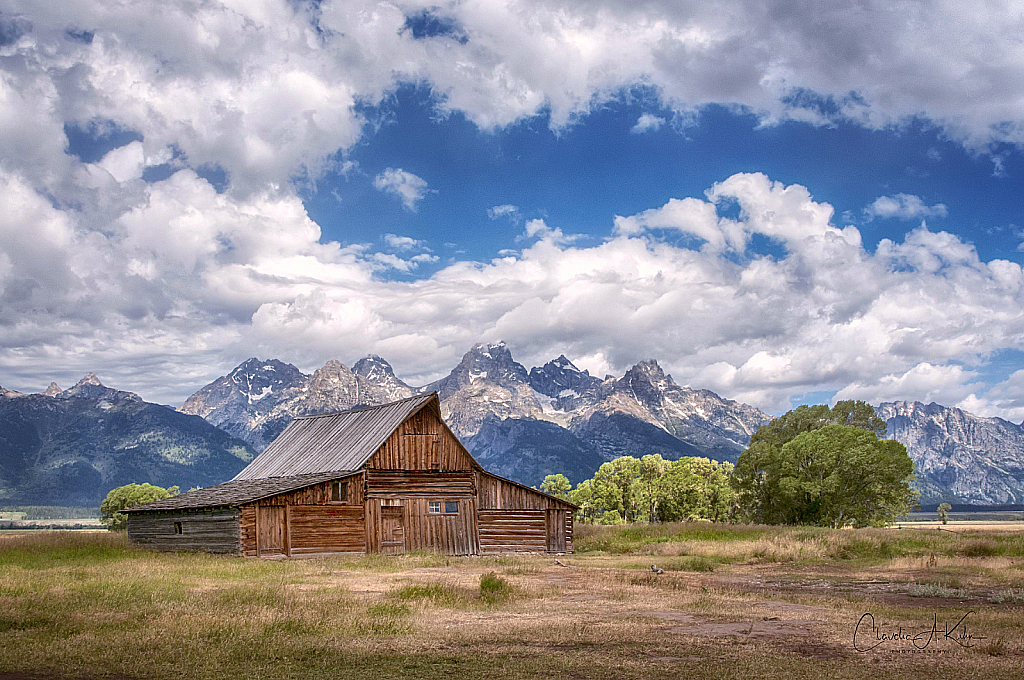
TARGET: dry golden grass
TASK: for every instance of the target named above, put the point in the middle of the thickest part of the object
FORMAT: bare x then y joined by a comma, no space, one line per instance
778,602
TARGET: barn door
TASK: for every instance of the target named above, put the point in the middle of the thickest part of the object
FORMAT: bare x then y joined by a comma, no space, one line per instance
270,530
556,530
392,529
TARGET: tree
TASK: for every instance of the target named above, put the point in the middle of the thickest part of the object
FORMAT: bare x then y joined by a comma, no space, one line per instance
557,486
943,511
613,488
128,496
816,465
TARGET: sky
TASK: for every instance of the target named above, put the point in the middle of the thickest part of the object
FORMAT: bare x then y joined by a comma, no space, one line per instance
782,201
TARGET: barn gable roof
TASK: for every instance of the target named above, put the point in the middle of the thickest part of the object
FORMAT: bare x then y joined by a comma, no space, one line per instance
333,441
311,450
238,492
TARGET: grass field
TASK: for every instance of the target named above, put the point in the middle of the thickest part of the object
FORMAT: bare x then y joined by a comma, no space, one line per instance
732,602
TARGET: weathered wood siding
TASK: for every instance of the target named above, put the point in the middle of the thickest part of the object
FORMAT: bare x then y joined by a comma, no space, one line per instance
395,525
422,443
215,531
513,531
247,521
272,530
395,484
495,493
318,494
516,518
306,520
327,528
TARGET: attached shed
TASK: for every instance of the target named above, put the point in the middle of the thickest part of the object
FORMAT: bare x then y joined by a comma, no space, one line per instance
386,479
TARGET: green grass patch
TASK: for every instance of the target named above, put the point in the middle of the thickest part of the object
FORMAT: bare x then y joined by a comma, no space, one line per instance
45,550
936,590
494,589
435,594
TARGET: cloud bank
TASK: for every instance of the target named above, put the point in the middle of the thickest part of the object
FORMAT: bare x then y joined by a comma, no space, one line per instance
141,262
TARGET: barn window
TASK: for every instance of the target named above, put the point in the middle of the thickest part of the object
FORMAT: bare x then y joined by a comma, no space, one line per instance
339,492
451,507
177,527
434,507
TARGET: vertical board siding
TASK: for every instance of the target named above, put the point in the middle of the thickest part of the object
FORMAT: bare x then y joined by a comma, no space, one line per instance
215,531
270,530
513,531
317,494
422,443
496,493
371,525
451,534
556,530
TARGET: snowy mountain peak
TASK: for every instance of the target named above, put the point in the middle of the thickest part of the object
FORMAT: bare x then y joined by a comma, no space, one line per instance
89,379
373,367
375,370
561,379
492,362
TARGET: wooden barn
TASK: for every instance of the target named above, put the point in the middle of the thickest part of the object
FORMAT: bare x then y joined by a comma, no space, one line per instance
386,479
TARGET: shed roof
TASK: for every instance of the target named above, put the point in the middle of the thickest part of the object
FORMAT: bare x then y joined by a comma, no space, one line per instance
333,441
238,492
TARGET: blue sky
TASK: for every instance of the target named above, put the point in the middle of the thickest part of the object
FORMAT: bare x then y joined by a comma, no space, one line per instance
781,202
580,177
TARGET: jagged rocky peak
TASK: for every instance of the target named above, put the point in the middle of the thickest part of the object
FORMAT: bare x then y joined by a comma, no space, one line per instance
560,378
89,387
377,371
646,381
254,386
4,392
959,456
373,367
257,379
331,376
52,391
491,362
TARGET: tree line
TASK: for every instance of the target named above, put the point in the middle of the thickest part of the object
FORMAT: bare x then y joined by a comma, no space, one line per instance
814,465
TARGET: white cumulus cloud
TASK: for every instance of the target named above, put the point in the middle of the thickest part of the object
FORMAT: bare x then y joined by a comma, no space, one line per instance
405,186
647,122
903,207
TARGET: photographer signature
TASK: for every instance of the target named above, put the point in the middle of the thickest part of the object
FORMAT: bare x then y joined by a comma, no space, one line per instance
868,634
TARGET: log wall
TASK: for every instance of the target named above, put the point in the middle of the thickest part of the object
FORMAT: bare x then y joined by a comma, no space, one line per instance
326,528
395,484
215,531
513,531
515,518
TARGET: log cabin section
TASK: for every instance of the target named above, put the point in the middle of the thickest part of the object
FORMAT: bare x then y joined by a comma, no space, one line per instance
384,479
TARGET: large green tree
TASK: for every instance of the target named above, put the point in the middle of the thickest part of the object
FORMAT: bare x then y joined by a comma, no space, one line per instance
129,496
816,465
556,485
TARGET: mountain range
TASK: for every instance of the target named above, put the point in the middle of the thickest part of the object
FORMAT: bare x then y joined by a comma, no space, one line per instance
521,424
70,447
